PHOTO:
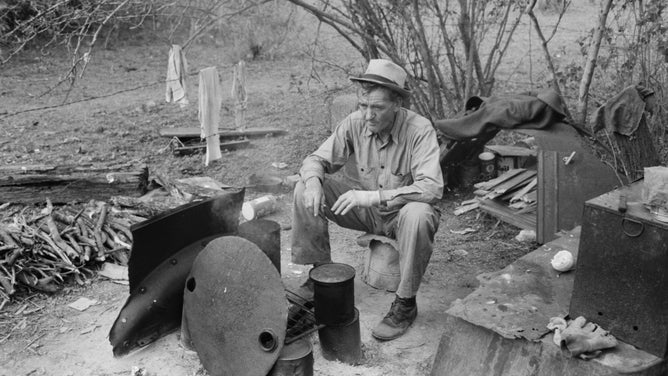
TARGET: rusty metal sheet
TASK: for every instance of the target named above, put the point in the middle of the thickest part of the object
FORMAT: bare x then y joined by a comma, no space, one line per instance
563,187
155,306
519,300
236,309
156,239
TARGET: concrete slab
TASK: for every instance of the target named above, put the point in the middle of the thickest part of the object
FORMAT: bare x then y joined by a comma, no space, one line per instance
500,328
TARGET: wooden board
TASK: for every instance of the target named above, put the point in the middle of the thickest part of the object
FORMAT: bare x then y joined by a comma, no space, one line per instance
525,221
195,132
489,184
192,149
511,151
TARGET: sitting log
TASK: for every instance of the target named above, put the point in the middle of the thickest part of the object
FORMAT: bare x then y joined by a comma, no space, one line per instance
30,184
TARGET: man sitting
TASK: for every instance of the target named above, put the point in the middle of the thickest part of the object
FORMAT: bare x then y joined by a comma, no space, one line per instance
397,157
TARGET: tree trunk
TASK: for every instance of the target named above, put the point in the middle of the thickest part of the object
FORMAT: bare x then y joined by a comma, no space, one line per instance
637,151
592,55
30,184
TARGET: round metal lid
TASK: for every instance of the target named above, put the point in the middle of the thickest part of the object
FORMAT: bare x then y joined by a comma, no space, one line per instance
296,350
332,273
235,307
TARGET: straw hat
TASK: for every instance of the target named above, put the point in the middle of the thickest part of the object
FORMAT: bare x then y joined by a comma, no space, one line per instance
385,73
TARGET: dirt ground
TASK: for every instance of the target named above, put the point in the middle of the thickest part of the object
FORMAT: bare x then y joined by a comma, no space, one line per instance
41,335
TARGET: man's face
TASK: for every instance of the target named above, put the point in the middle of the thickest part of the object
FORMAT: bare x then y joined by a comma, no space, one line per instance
379,111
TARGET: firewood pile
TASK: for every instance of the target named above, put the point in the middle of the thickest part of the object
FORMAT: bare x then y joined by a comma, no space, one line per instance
42,248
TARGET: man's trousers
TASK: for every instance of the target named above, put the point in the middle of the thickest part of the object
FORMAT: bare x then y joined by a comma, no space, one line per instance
412,225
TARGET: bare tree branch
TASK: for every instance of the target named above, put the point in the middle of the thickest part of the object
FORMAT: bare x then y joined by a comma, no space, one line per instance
590,65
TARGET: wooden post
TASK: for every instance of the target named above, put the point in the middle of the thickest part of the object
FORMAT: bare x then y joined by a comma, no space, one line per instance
240,95
210,99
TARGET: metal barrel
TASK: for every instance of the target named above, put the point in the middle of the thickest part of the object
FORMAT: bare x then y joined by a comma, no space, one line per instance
342,342
266,235
333,293
295,359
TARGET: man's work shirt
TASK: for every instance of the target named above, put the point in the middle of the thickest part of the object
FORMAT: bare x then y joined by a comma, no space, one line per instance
405,167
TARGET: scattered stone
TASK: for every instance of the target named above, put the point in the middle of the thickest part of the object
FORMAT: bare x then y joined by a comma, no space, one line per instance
526,236
460,252
82,304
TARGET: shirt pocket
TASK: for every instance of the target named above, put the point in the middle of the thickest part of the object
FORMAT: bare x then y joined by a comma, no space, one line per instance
400,178
368,177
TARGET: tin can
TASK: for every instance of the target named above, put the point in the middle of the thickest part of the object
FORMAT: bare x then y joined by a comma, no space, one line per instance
259,207
295,359
342,342
333,293
487,165
265,234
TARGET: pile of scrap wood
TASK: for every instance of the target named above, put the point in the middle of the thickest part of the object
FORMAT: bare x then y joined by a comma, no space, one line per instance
42,248
510,196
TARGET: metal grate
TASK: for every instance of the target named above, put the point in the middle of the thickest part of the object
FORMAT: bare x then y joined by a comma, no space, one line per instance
301,318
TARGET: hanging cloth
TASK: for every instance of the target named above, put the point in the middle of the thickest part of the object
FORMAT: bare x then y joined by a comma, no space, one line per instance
177,68
210,99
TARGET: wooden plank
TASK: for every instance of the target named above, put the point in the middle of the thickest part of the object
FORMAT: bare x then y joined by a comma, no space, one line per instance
511,184
547,196
525,221
192,149
516,189
466,208
515,181
195,132
489,184
511,151
527,188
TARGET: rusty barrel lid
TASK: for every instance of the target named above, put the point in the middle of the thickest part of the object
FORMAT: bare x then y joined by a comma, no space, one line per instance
235,307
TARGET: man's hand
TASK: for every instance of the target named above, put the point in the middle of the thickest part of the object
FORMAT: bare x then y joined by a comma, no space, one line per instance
353,199
313,195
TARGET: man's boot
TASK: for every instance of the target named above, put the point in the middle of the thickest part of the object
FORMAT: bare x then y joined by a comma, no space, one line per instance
402,314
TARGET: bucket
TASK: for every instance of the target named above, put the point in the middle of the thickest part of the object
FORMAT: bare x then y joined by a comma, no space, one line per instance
295,359
266,235
259,207
381,267
333,293
342,342
487,165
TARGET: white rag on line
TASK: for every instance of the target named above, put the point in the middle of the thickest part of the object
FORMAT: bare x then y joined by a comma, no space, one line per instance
177,68
210,99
